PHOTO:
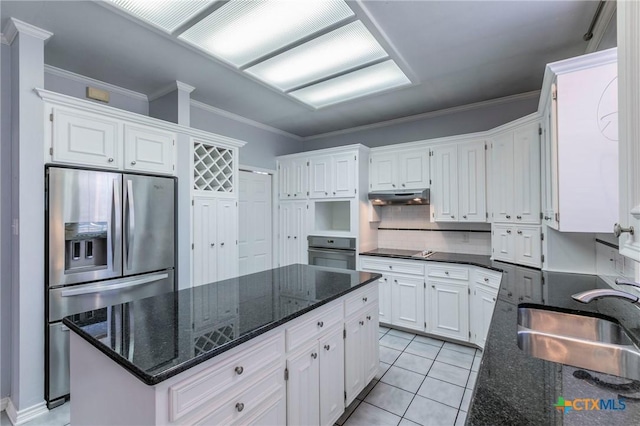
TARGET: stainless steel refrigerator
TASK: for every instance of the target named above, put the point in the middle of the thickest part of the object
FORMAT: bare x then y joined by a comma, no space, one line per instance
111,239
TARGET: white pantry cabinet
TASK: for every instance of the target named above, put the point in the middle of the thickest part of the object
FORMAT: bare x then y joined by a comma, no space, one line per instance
215,239
293,232
458,182
580,143
293,178
520,244
333,176
515,165
405,169
86,139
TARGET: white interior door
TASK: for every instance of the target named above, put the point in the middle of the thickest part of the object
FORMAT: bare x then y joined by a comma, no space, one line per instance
254,242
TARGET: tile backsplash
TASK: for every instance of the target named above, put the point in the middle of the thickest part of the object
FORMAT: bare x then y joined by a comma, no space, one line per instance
408,227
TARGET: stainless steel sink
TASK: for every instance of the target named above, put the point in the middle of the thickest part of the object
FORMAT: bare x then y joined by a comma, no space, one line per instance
579,340
423,254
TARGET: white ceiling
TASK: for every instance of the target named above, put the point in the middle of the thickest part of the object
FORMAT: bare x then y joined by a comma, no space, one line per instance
461,52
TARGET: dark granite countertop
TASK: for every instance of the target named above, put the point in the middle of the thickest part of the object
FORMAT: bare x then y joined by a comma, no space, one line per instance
161,336
514,388
466,259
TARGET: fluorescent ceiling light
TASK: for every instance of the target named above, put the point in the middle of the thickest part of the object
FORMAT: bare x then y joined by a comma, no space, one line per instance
340,50
165,14
242,31
376,78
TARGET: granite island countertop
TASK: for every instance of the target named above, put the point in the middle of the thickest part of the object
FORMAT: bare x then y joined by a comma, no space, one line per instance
161,336
514,388
461,258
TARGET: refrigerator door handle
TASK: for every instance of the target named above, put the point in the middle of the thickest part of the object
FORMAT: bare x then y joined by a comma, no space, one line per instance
115,220
120,284
131,216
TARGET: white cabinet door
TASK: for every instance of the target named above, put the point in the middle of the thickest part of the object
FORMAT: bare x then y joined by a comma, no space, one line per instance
444,186
383,171
354,367
227,233
384,299
285,171
149,150
449,313
331,377
472,206
503,185
86,139
343,180
284,241
272,412
549,167
528,246
303,387
320,177
370,345
414,169
299,178
204,240
503,243
529,282
482,305
526,159
408,302
299,233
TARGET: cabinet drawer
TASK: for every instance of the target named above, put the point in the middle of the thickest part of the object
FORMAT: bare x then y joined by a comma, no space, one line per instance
311,326
242,367
396,267
447,271
236,409
362,298
491,279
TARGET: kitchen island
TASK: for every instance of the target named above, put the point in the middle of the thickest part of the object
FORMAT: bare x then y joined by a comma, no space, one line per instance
293,345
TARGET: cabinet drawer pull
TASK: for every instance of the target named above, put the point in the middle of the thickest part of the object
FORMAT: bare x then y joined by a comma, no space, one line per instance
446,272
393,185
518,217
453,217
288,195
395,281
326,193
239,406
508,216
320,324
314,355
361,322
239,370
295,195
213,244
110,160
390,266
327,347
464,216
433,287
547,218
486,280
369,317
364,299
508,231
403,185
519,232
288,236
222,244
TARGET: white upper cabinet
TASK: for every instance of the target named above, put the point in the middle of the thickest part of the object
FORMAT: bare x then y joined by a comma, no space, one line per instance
149,150
293,178
458,184
407,169
580,143
333,176
86,139
516,175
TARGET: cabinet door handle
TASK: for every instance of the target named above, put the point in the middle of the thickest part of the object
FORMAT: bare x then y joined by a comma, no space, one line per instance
508,216
393,185
619,230
295,195
395,281
361,322
133,163
446,272
364,299
295,238
494,299
390,267
213,244
369,317
288,195
433,287
464,216
453,217
239,370
403,185
327,347
239,406
320,324
222,244
508,231
518,217
110,160
314,355
547,218
288,236
326,193
519,232
486,280
334,192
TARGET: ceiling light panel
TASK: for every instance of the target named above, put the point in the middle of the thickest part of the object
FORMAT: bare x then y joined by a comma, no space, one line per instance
242,31
165,14
376,78
340,50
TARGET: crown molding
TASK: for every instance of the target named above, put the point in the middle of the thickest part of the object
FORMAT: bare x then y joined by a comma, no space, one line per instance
184,87
49,69
243,120
174,85
426,115
15,26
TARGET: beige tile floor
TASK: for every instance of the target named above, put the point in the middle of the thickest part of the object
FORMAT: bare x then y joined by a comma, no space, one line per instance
421,381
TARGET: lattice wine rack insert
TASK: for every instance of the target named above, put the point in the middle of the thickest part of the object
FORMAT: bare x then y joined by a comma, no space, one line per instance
212,168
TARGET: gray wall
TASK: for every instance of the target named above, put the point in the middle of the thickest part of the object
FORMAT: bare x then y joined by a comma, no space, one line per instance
78,89
5,221
456,123
262,145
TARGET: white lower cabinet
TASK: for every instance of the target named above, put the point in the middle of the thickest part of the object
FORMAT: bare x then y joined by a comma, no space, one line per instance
517,244
303,387
485,285
448,309
384,299
407,295
361,352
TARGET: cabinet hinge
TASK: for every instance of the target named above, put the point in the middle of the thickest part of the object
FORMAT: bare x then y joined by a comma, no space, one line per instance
192,246
542,258
355,157
286,374
485,146
370,161
345,395
51,117
307,193
307,164
236,204
469,334
425,284
355,191
486,215
51,151
344,333
541,216
307,206
429,181
539,130
278,166
469,291
192,202
425,325
174,142
558,217
541,237
554,95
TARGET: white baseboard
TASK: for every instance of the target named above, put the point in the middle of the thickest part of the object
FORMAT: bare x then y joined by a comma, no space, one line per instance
3,403
25,415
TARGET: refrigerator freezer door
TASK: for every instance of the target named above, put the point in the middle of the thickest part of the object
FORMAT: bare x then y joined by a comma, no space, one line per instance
84,221
148,225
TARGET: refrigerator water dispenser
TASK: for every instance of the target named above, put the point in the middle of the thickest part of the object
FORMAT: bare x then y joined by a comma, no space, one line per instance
85,246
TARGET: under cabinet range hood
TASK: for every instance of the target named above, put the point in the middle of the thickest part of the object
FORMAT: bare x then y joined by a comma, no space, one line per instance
406,197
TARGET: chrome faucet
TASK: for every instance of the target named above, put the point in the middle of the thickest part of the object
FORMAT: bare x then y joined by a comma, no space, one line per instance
590,295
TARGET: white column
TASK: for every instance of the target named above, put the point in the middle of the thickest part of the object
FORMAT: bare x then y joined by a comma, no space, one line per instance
27,199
